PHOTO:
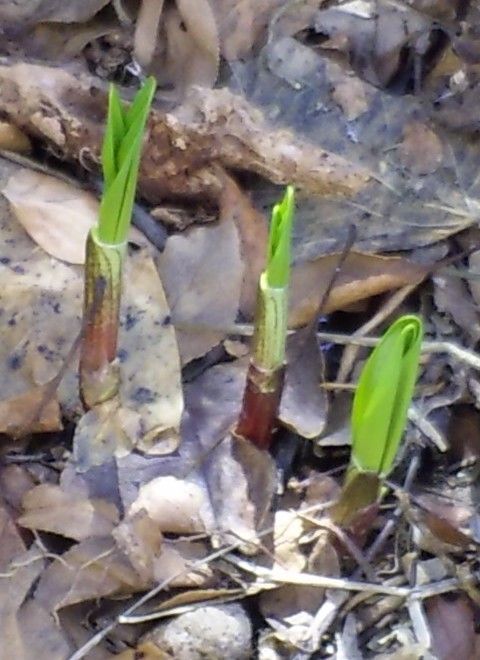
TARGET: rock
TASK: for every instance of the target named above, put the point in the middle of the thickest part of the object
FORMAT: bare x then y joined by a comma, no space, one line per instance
214,632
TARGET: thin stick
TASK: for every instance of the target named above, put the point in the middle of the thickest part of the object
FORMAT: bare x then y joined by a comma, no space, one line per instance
282,576
350,353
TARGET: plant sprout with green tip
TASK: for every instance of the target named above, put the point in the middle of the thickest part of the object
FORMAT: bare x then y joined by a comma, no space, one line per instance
263,389
379,415
106,244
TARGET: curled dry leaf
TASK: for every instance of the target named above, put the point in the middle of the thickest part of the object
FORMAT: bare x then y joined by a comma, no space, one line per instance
55,214
361,276
212,126
49,508
178,42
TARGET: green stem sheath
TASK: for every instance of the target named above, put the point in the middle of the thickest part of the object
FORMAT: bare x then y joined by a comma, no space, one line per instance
99,372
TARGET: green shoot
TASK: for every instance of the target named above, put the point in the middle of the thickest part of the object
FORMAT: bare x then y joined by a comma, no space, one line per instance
120,161
278,259
105,250
264,385
379,415
383,395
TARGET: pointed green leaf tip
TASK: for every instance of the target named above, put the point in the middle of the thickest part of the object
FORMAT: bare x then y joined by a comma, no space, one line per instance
121,150
279,242
383,395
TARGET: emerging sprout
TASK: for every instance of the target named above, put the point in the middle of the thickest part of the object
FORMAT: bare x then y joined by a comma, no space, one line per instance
265,376
379,414
106,244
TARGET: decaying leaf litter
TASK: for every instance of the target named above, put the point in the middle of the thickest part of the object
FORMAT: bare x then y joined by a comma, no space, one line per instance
369,109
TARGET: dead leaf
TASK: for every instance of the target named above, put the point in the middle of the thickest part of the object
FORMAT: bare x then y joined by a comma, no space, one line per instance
361,276
90,569
242,24
146,651
451,295
13,139
49,508
421,150
253,235
35,411
35,11
202,271
55,214
351,93
303,407
452,627
240,513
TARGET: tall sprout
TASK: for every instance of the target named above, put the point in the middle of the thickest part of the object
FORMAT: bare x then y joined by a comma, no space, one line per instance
263,389
106,244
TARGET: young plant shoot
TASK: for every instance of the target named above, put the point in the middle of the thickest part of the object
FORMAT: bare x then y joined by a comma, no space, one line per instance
106,244
379,414
264,385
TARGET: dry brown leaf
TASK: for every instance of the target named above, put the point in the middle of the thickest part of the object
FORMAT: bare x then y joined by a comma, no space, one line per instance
55,214
90,569
211,126
202,271
49,508
452,627
421,150
253,234
242,24
241,512
451,295
35,11
34,411
38,291
304,404
13,139
361,276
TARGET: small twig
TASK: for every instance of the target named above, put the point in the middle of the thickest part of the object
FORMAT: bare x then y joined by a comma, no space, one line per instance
282,576
350,353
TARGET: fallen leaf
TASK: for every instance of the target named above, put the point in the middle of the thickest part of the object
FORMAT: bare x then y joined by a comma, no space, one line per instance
88,570
303,406
13,139
452,627
36,11
421,150
452,296
240,513
202,271
361,276
35,411
37,291
55,214
49,508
